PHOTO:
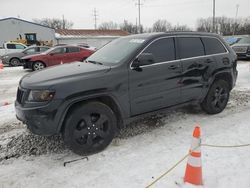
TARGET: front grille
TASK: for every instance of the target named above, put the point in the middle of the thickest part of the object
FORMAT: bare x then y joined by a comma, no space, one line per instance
20,95
240,49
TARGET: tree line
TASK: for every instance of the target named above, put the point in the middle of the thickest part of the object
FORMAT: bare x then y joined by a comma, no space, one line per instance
223,25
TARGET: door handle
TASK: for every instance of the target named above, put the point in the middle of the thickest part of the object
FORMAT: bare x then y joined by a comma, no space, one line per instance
173,67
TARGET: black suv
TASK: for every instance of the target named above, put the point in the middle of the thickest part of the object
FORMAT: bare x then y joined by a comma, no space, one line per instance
129,77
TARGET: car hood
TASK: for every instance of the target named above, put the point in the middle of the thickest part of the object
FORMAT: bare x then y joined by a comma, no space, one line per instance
14,54
33,55
61,74
240,45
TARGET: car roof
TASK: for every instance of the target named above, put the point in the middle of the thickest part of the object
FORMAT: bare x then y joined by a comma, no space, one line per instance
176,33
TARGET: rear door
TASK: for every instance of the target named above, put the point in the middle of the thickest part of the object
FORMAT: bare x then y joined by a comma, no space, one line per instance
197,67
191,52
156,86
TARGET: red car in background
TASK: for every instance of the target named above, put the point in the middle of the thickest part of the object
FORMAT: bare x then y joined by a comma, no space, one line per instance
55,56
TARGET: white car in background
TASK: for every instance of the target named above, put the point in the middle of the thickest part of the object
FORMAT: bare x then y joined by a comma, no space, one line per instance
10,47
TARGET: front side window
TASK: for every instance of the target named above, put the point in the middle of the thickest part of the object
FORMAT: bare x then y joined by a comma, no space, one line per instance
213,46
190,47
58,51
73,49
19,46
30,50
163,50
43,49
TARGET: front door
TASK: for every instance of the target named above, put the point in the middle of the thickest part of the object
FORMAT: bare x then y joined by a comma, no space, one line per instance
156,86
57,56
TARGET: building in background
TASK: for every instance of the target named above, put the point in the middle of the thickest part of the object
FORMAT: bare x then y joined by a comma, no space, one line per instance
96,38
15,29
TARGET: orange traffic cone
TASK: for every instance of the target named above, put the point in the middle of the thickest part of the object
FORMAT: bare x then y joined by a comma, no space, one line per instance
1,65
193,173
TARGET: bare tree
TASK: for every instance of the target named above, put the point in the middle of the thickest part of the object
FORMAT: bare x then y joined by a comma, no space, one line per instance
181,28
225,25
108,26
129,27
55,23
161,26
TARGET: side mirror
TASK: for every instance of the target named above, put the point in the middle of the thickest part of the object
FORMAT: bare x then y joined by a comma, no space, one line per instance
143,59
52,54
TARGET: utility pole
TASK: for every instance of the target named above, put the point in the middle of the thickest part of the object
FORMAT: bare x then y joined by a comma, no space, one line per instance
63,22
214,16
95,18
139,4
237,9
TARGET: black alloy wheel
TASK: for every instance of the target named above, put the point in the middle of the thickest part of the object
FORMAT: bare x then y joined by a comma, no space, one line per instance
89,128
217,97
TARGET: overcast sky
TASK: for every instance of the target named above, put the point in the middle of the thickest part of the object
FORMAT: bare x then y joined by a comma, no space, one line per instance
80,12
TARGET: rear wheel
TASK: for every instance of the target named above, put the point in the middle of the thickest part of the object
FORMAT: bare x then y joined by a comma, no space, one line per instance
217,97
15,62
89,128
38,66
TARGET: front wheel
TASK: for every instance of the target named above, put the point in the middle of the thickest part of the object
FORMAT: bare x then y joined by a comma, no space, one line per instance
38,66
217,97
15,62
89,128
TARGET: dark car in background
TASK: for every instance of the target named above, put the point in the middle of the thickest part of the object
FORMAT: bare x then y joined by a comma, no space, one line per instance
55,56
14,59
129,78
242,48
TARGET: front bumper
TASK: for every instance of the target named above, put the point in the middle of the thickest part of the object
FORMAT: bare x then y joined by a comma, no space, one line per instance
27,64
41,120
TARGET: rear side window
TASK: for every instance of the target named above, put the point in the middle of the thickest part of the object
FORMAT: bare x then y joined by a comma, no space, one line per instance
73,49
213,46
11,46
162,50
19,46
190,47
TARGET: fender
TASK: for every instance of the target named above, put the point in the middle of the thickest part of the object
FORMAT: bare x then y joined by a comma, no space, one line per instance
86,96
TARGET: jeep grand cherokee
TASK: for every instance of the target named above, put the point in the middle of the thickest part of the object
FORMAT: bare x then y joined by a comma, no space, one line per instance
87,102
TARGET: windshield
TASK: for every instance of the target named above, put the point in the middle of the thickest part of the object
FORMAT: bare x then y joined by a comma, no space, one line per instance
245,40
116,51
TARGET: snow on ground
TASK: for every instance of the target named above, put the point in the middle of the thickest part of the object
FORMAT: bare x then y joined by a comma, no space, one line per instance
140,153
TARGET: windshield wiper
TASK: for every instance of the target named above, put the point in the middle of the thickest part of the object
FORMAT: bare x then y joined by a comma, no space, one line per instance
94,62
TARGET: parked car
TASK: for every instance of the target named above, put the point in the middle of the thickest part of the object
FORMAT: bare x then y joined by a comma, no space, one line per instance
55,56
231,40
14,59
9,47
129,78
242,48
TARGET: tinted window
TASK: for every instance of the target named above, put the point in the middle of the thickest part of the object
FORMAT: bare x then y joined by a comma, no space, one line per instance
42,49
19,46
30,50
190,47
59,51
73,49
11,46
213,46
162,50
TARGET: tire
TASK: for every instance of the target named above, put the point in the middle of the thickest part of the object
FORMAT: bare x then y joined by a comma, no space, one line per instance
217,97
89,128
15,62
38,65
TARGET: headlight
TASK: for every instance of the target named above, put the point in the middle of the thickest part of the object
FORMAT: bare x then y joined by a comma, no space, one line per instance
5,57
40,95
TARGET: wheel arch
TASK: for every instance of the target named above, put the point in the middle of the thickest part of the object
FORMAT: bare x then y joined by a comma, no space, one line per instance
226,76
105,99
